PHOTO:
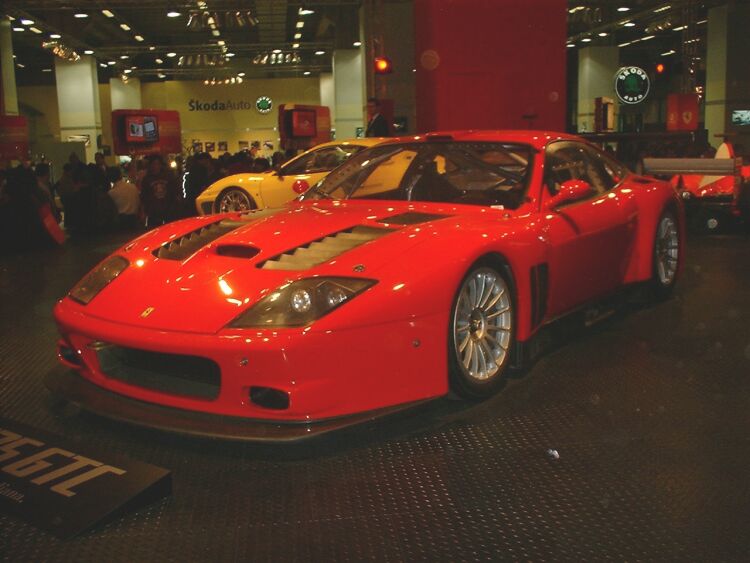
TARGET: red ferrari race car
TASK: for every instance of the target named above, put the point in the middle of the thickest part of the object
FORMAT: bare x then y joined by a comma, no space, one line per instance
716,191
420,265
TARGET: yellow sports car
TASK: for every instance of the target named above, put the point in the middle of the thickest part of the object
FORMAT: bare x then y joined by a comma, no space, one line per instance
257,190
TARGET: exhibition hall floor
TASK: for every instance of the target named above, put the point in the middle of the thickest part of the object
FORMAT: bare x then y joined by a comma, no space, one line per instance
629,440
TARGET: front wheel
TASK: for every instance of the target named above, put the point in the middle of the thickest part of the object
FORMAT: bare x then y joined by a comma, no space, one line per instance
666,257
481,333
234,199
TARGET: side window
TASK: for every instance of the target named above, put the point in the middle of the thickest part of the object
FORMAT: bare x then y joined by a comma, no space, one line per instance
600,178
322,160
564,161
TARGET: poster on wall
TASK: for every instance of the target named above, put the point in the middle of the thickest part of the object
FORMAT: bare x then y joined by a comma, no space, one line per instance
244,145
197,146
223,146
146,131
210,146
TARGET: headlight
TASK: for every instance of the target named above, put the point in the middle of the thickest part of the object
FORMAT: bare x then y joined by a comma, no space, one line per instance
686,195
301,302
96,280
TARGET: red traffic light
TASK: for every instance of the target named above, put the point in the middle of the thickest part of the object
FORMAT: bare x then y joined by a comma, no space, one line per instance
659,68
383,65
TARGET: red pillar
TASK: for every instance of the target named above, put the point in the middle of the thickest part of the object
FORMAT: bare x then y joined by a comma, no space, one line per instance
485,64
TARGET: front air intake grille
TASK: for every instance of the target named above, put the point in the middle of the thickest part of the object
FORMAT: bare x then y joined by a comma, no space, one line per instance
187,245
176,374
322,250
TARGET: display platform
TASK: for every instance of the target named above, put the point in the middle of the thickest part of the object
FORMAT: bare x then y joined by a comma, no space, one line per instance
629,440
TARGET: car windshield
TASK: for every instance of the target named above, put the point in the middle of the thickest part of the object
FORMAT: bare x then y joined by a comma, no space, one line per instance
321,160
493,174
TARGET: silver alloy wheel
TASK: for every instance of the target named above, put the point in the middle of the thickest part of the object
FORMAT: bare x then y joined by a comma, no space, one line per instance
482,324
666,250
234,200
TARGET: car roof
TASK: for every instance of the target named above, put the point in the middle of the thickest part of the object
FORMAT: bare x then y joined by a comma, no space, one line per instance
537,139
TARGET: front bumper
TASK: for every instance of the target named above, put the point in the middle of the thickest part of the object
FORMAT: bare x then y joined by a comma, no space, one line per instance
75,389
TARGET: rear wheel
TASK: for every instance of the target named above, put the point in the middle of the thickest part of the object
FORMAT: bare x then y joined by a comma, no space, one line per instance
481,333
234,199
666,257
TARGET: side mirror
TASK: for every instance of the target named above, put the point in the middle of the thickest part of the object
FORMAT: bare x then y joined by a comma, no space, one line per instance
570,191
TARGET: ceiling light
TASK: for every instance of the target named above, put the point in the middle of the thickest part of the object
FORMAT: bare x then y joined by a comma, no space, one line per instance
299,25
102,65
46,70
127,71
111,63
357,44
80,15
569,45
215,32
629,24
647,37
670,52
320,52
19,65
298,36
221,42
576,9
603,34
662,9
138,37
295,46
123,57
19,29
586,40
88,52
229,55
679,28
27,22
159,61
701,22
161,75
125,26
277,51
624,44
108,13
173,14
171,55
35,30
305,11
54,36
623,9
240,74
306,73
152,48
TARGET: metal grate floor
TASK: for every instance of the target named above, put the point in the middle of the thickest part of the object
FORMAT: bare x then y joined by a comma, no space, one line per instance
649,412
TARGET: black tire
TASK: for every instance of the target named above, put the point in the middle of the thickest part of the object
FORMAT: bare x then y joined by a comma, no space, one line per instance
488,319
666,255
233,197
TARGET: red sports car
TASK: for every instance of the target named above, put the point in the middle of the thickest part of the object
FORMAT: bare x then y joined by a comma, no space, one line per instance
424,264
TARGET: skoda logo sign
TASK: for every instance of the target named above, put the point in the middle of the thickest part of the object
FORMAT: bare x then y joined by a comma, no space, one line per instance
264,104
632,84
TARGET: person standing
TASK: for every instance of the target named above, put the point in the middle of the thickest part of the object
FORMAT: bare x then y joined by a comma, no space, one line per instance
160,194
377,126
126,198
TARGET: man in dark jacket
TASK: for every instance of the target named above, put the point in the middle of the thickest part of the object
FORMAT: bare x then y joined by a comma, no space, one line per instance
377,126
160,193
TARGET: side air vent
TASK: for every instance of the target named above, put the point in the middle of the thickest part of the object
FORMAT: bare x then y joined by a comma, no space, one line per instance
539,290
325,249
237,251
411,218
187,245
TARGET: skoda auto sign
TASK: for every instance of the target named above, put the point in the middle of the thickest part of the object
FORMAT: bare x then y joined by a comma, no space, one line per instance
632,84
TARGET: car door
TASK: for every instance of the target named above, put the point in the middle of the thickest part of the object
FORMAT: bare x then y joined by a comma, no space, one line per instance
311,167
590,239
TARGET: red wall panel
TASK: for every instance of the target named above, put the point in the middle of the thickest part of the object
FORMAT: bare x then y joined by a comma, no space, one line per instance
487,63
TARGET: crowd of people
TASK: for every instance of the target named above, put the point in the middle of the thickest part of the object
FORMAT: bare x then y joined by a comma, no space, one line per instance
93,198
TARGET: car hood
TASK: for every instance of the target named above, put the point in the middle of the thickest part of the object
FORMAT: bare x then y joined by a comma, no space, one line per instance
198,275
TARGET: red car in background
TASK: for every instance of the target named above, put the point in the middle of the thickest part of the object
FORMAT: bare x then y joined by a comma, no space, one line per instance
716,191
421,265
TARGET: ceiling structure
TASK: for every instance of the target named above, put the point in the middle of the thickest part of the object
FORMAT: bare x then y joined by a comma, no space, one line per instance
224,39
192,40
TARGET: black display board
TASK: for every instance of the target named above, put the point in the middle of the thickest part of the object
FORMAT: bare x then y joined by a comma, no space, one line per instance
66,488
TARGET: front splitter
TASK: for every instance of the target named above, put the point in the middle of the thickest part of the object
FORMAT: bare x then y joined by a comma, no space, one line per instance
70,386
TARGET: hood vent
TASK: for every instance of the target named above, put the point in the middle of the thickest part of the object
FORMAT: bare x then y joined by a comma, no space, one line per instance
237,251
325,249
187,245
411,218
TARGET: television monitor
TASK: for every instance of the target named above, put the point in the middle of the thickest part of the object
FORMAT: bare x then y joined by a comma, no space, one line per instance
741,117
141,129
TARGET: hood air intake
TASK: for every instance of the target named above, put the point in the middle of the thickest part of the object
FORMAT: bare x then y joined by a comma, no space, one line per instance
187,245
411,218
325,249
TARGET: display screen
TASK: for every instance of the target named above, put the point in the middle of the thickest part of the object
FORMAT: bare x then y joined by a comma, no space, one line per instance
741,117
303,123
141,129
